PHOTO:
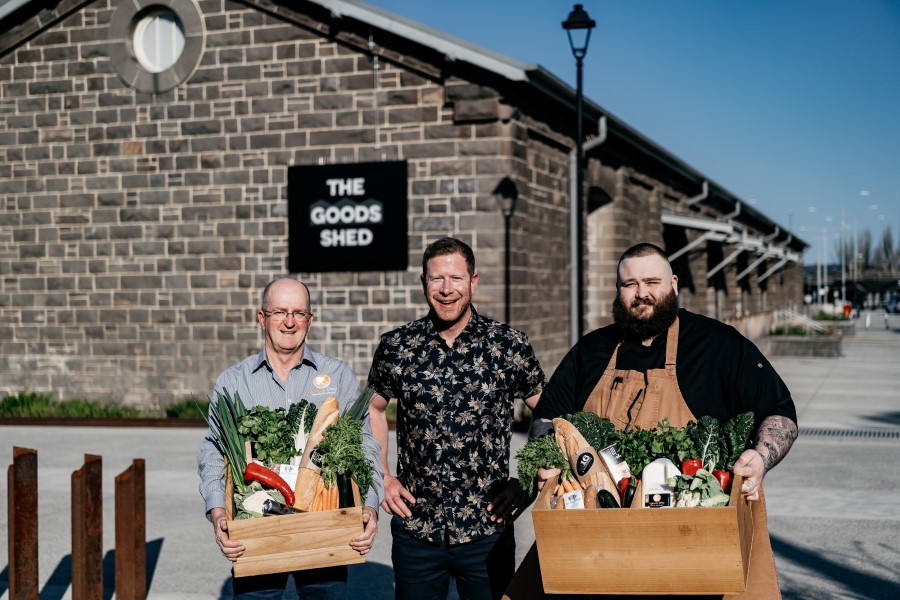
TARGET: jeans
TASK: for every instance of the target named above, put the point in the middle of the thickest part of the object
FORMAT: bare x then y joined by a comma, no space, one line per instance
482,568
314,584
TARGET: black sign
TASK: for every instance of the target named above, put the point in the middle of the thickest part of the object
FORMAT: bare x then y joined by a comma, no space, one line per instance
349,217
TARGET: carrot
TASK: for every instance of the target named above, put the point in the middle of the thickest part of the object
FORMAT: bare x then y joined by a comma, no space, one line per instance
567,486
335,500
318,496
559,490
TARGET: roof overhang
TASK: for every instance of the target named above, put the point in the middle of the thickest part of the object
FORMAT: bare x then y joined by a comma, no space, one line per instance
735,235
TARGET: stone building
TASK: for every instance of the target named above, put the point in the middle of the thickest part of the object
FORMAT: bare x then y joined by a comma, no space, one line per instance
144,191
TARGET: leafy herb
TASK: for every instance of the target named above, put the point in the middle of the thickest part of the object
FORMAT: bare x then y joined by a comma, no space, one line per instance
343,454
634,446
706,434
598,432
672,442
540,453
735,436
272,435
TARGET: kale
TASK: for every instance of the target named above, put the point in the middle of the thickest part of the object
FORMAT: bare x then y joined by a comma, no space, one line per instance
301,413
598,432
540,453
706,434
735,436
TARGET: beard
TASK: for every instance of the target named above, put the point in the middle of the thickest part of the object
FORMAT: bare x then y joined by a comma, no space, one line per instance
643,328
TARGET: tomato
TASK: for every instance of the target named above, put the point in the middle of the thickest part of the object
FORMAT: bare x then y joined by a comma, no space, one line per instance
724,478
689,466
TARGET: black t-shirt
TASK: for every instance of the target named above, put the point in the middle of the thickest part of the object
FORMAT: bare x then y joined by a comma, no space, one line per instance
720,372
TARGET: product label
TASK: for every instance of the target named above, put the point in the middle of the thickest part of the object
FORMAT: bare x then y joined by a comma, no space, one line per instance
615,463
657,500
574,499
316,457
584,463
288,473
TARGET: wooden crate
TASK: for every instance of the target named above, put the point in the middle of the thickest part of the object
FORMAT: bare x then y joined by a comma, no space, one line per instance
668,551
287,543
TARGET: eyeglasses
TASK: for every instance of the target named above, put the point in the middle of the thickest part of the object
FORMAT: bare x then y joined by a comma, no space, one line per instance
280,315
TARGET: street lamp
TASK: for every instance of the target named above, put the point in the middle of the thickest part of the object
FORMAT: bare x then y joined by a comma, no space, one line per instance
506,193
578,27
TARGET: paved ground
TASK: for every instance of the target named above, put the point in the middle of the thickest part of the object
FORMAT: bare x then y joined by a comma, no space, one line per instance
833,508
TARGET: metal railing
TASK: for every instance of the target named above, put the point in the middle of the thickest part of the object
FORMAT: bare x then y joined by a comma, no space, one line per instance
787,318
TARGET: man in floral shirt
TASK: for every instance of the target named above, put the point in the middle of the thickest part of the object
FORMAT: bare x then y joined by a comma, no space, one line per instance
455,375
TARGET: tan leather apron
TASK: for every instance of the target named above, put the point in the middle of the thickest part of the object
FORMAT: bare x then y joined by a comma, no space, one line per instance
632,398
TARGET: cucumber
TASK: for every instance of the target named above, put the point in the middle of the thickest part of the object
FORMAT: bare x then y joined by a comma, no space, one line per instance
606,500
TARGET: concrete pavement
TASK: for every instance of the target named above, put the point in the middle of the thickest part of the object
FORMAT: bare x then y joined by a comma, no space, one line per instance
833,505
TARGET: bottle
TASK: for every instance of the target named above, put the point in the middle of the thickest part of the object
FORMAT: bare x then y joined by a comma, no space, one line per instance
657,493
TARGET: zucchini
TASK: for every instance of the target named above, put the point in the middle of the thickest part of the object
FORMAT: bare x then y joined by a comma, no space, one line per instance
606,500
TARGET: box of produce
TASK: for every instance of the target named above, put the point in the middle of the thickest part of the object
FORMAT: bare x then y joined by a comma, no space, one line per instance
293,542
598,532
292,482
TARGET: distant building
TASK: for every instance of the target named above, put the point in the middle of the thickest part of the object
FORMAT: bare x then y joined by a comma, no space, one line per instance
146,154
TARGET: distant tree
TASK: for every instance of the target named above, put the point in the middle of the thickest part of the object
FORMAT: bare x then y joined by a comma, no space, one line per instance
889,255
864,249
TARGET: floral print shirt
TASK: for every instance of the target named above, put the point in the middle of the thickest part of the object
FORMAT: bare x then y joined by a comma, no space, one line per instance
454,418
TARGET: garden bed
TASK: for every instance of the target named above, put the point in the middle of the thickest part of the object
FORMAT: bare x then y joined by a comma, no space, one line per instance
823,346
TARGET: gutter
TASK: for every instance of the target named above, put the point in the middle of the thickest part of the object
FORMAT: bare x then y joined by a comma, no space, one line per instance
8,8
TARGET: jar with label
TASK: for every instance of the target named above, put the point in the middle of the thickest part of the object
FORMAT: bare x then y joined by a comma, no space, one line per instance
657,493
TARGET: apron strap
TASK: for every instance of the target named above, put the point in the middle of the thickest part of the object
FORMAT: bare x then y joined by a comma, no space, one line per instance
672,345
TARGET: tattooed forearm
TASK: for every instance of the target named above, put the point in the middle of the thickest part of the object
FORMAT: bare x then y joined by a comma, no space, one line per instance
776,435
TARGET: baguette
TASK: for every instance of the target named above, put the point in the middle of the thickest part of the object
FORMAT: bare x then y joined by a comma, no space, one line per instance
582,457
310,464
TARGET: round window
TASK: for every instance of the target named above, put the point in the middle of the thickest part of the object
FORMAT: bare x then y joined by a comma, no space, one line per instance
158,40
155,45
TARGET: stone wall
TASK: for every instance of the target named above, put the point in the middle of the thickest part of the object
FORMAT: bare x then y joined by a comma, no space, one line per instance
137,230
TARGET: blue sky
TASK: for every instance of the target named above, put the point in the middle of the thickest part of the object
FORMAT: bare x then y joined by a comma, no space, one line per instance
792,106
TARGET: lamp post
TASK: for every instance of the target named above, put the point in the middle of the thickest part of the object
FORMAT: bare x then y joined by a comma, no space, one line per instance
506,193
578,28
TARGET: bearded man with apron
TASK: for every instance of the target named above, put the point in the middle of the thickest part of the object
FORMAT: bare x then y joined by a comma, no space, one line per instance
659,362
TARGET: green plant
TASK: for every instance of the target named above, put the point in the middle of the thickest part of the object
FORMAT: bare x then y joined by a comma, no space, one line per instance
824,316
790,330
188,408
38,404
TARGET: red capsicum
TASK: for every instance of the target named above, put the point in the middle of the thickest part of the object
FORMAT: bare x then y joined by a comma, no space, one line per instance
269,478
689,466
724,478
623,485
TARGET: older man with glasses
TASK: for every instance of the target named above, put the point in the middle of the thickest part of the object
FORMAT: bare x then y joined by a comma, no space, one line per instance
285,371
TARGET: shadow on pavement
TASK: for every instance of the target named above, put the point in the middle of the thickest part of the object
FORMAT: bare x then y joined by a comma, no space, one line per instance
368,580
60,579
864,585
889,418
